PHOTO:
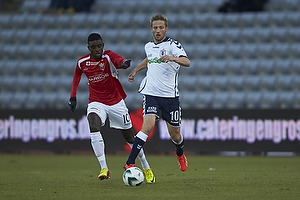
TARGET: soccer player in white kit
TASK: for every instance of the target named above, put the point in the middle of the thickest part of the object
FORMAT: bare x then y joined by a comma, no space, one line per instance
160,88
106,99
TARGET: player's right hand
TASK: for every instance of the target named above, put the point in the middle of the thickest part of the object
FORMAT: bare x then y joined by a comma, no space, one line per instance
131,76
72,103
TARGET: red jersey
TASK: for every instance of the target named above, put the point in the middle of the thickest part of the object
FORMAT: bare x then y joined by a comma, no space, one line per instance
102,75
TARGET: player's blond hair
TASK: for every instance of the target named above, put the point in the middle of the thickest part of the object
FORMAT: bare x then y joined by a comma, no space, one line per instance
159,17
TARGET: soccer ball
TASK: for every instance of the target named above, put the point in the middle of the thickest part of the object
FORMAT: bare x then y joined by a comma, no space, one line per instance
133,176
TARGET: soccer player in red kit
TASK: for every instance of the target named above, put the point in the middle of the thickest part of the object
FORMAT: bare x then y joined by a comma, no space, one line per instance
106,99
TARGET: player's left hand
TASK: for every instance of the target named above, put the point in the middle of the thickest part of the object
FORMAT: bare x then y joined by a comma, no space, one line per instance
72,103
125,64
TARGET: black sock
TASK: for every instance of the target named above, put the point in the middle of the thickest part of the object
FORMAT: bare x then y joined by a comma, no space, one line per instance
179,148
137,146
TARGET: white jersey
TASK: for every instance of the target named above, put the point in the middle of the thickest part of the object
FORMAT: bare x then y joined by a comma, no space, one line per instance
162,78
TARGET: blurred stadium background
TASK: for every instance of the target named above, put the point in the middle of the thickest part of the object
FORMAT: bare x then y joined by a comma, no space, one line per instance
238,60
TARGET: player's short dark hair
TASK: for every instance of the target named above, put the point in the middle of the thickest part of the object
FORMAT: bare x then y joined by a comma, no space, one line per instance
159,17
94,36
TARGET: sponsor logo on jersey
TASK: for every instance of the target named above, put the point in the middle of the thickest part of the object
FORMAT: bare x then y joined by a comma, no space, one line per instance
155,60
88,63
152,109
98,77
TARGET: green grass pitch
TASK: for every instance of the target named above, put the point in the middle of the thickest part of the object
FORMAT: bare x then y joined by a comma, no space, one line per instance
207,177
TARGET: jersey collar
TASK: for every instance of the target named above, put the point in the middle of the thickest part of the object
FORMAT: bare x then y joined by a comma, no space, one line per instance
165,40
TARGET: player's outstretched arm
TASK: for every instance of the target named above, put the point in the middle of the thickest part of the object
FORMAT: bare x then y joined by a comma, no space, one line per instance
141,66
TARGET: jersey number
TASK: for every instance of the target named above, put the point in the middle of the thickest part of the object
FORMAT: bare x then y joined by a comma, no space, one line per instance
174,116
126,118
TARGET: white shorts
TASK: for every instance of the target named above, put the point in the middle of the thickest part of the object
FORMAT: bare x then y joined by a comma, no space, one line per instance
117,114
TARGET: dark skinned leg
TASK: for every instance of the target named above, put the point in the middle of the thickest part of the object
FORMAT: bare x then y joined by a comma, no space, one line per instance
128,135
94,122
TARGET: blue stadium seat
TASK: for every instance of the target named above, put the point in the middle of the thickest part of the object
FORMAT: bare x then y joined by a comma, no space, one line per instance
292,19
198,67
234,35
234,51
5,22
20,37
203,83
265,66
262,19
247,35
219,83
18,100
267,83
250,51
203,100
283,66
48,22
34,6
18,21
217,51
219,99
202,35
295,67
251,83
82,99
37,36
279,35
5,99
296,100
262,36
295,83
188,83
52,35
293,34
246,19
33,21
235,83
252,99
218,66
268,100
7,36
230,20
79,21
286,83
234,67
278,19
235,100
8,51
285,99
294,50
264,51
282,50
63,21
33,101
